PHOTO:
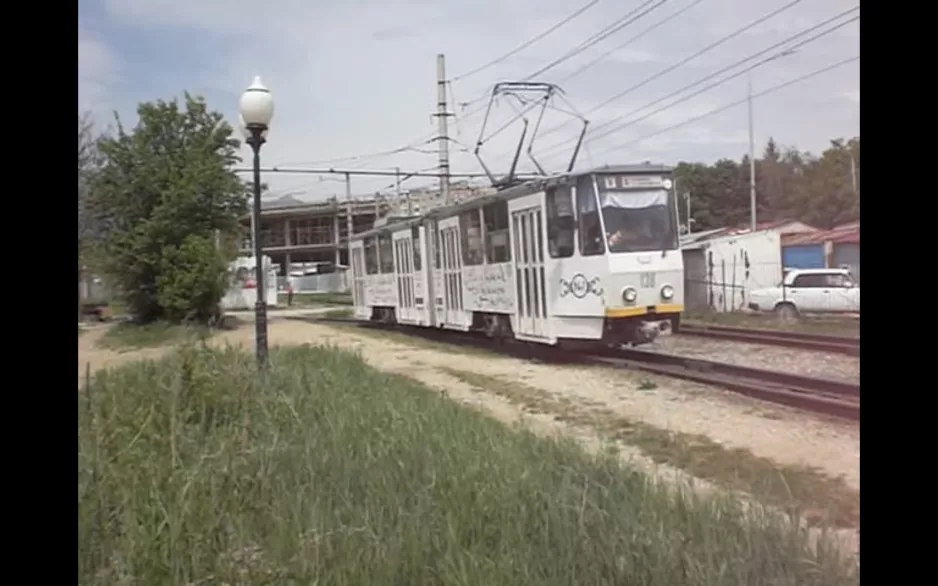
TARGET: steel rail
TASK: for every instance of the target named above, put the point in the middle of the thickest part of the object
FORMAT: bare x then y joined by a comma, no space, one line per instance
823,395
823,342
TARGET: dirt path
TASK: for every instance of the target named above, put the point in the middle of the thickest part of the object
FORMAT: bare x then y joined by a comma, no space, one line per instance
562,399
780,434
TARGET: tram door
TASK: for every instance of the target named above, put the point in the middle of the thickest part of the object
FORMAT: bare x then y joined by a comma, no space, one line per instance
404,273
451,254
528,242
358,279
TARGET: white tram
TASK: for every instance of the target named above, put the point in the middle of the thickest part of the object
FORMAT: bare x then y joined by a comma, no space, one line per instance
589,257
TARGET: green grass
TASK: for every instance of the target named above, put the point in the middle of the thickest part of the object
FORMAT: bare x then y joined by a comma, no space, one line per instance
197,469
821,499
833,325
130,336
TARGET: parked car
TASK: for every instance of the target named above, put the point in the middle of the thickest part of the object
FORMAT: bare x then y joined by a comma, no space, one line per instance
809,291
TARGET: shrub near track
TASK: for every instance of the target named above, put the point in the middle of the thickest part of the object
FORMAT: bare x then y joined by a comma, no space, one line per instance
198,469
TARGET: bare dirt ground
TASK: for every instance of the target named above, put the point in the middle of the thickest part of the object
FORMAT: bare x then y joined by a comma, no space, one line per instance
780,434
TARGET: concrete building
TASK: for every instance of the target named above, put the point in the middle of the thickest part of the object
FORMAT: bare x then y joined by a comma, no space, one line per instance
294,232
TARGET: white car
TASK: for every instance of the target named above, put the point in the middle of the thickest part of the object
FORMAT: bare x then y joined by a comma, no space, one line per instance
809,291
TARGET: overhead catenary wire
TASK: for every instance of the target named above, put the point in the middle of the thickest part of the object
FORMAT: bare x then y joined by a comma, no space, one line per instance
529,42
783,52
733,104
431,138
364,172
631,40
620,23
608,30
368,156
684,61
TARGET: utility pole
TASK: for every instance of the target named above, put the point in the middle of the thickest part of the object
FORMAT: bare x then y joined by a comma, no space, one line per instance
690,220
348,218
442,121
853,173
752,165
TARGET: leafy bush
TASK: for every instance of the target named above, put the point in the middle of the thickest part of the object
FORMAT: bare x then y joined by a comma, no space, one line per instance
165,194
193,278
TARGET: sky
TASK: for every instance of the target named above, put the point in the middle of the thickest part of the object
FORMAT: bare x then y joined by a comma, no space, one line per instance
358,77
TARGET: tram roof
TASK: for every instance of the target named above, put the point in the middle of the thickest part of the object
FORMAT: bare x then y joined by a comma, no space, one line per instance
528,187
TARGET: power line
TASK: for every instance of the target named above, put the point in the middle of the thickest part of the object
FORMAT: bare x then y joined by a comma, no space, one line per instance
368,156
631,40
725,107
686,60
667,70
616,26
784,52
331,171
693,56
597,37
528,43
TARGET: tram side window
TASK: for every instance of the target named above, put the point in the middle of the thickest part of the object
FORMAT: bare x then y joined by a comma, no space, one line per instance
497,247
371,255
473,251
436,247
415,237
386,253
561,222
591,230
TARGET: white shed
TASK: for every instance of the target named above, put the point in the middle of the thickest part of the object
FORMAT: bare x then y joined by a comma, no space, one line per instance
721,269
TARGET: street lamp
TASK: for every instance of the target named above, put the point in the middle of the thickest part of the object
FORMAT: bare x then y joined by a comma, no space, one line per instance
257,109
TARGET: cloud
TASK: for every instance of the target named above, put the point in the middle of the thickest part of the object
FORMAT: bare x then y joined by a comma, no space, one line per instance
98,72
359,76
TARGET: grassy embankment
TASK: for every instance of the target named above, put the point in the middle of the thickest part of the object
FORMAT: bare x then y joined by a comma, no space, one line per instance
197,469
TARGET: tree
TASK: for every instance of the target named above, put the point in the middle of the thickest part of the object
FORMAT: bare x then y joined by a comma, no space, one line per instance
164,198
821,191
88,162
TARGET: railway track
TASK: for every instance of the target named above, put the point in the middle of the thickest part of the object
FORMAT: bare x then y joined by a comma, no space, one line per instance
821,395
823,342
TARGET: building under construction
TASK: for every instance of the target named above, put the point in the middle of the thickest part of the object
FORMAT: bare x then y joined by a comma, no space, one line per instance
294,233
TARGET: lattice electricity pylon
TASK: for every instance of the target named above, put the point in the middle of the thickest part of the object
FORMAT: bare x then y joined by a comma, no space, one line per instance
522,91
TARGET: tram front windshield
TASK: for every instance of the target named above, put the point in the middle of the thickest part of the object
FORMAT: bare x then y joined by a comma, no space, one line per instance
637,220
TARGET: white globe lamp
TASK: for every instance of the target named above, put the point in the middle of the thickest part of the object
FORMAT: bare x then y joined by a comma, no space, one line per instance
256,110
257,106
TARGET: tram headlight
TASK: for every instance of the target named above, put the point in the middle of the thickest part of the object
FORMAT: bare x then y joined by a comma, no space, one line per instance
629,295
667,292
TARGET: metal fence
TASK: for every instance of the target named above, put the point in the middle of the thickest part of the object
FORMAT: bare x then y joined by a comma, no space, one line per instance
329,283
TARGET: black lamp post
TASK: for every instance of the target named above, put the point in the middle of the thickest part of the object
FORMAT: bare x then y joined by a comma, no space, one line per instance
257,109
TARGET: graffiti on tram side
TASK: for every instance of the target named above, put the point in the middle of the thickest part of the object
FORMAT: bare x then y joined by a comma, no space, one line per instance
381,290
489,288
579,286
